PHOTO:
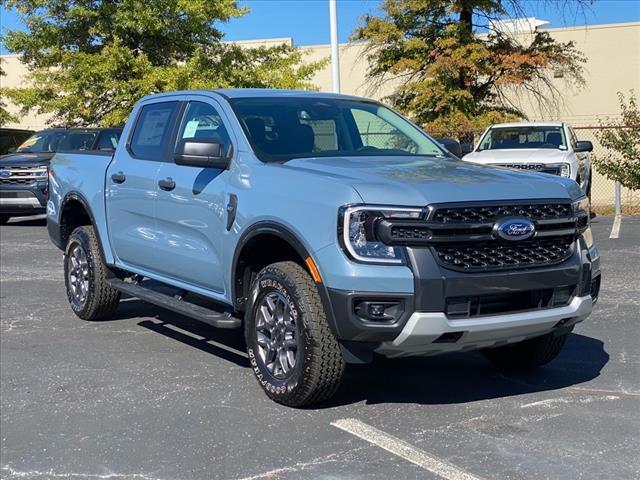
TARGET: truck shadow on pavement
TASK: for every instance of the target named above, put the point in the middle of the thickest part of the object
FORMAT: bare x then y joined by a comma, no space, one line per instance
444,379
226,344
467,377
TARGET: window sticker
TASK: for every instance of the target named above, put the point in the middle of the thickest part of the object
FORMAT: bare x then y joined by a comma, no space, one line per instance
190,129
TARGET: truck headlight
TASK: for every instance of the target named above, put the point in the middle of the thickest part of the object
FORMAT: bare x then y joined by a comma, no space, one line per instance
357,232
565,170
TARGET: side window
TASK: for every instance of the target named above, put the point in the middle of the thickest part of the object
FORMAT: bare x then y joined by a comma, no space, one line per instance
202,120
151,130
108,140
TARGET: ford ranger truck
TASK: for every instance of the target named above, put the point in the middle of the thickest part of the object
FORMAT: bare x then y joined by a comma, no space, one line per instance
23,172
549,147
329,228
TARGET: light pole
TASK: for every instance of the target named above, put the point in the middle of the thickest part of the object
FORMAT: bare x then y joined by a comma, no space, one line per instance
335,55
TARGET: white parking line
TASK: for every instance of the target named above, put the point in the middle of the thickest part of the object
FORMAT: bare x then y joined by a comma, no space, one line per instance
615,230
402,449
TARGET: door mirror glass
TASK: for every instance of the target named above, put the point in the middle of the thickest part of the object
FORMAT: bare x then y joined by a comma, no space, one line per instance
583,146
201,152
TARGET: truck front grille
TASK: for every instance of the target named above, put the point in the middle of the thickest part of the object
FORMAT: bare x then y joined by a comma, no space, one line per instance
490,213
498,256
533,167
463,238
18,175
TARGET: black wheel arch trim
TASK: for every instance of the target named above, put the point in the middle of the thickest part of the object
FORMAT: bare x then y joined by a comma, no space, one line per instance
279,230
78,197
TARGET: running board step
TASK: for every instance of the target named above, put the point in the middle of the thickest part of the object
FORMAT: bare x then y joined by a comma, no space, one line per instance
197,312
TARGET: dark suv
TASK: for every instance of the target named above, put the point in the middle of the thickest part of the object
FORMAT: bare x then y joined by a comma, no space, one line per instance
24,181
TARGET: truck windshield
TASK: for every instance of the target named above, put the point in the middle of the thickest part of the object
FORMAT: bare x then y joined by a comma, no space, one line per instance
503,138
282,129
53,141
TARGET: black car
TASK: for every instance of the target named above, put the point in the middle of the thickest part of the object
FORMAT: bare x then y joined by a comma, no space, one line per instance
24,181
11,138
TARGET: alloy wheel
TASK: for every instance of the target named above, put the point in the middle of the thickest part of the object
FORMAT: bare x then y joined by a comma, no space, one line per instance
78,274
277,335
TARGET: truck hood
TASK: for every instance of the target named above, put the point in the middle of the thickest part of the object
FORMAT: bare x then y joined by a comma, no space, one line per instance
415,181
26,159
522,156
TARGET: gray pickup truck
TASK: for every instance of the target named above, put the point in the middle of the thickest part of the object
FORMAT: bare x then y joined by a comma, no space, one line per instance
329,228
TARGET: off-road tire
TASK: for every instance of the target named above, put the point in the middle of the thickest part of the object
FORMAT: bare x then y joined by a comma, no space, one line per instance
101,300
527,354
4,219
319,366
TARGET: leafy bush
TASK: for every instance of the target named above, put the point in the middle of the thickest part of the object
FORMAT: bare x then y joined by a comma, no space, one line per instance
622,138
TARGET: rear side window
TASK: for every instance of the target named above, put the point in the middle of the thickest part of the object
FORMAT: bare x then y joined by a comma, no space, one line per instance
152,129
108,140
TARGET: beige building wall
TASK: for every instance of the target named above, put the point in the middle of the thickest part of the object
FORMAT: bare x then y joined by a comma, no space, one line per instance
613,64
16,76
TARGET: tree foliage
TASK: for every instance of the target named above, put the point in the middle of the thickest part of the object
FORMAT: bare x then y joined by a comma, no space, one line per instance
622,138
91,60
454,70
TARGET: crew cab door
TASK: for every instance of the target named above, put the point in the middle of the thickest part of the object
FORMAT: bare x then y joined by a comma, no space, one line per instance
131,184
192,202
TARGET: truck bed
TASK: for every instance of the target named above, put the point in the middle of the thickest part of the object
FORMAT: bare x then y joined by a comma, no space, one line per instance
80,175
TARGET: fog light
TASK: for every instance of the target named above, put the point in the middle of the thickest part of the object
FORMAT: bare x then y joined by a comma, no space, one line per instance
376,310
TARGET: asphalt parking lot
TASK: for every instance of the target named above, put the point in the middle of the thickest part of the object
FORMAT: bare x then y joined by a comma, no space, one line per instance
152,395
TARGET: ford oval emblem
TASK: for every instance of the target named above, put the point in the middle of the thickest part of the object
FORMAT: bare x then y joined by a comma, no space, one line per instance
5,173
514,229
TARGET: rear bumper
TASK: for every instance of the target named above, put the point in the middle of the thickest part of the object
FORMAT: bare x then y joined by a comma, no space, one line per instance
422,333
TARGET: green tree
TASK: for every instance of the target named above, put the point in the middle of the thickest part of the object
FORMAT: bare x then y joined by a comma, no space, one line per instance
91,60
622,138
455,70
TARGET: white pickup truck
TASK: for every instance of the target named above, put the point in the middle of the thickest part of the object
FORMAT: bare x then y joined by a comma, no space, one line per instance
548,147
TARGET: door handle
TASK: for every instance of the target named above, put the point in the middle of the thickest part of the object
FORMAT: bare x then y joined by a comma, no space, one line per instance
118,177
167,184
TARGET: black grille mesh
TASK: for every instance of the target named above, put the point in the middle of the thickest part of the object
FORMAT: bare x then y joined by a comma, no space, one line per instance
482,214
497,256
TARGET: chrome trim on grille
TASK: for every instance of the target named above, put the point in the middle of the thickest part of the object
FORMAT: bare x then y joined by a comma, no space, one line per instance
23,175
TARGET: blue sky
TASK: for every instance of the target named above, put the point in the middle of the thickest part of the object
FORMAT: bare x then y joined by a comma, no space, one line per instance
306,21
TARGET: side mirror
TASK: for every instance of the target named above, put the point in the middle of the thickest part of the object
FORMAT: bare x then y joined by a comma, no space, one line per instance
452,145
11,150
201,152
583,146
466,148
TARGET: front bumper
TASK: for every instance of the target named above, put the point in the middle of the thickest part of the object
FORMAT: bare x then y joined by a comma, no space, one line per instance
429,320
422,331
23,199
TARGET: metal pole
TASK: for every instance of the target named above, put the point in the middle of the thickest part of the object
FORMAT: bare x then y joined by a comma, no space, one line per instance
618,198
335,56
